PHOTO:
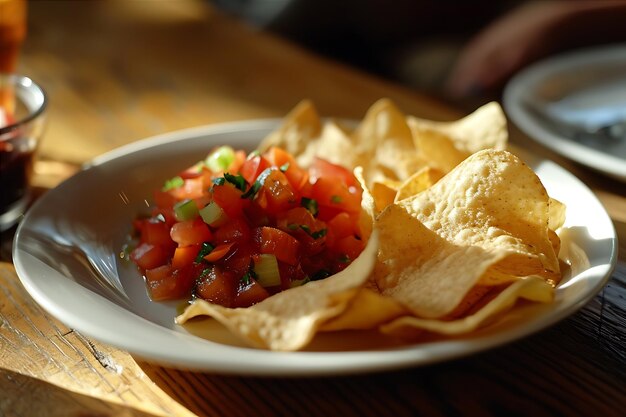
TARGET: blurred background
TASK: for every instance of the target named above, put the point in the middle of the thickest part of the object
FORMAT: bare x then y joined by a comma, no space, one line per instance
461,51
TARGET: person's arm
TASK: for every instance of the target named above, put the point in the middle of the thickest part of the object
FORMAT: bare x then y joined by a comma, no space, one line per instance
531,32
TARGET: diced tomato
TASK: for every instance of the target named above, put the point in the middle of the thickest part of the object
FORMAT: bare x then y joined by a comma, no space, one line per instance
168,283
251,168
218,252
289,273
148,256
249,293
190,232
256,214
296,176
344,224
349,246
235,166
310,239
278,192
310,232
237,262
228,197
235,230
313,265
185,255
336,195
163,199
191,189
295,220
193,171
324,169
216,286
156,232
281,244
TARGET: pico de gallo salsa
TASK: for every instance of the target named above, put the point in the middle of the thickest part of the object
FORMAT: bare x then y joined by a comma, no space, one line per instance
234,228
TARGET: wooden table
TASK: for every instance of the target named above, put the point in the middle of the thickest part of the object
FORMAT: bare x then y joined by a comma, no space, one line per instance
117,72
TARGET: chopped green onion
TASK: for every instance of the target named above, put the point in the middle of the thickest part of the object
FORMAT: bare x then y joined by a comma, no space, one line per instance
220,159
219,181
237,180
306,228
266,270
197,167
204,251
284,167
172,183
213,215
253,154
185,210
292,226
335,199
310,204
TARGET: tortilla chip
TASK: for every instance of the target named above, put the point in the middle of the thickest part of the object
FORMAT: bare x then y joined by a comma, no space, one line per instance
300,126
418,182
489,212
485,128
383,196
333,144
385,144
367,310
531,288
288,320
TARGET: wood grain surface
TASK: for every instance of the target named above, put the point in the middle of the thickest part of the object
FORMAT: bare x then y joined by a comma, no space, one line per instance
119,71
576,368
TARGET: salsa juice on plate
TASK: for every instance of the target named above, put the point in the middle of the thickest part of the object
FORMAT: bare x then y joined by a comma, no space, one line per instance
235,228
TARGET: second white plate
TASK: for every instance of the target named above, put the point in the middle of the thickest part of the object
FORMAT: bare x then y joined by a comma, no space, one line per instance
583,86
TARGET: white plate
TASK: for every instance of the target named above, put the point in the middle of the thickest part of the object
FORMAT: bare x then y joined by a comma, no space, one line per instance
584,87
66,255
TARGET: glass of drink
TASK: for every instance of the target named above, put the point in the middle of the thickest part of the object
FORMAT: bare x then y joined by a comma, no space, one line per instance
22,121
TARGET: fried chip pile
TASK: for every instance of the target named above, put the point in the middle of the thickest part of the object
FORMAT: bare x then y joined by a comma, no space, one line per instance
462,229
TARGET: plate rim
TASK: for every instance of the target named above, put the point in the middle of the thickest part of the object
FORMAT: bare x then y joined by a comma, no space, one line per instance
520,83
292,363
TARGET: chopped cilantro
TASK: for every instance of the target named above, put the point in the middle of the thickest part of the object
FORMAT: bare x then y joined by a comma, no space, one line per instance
219,181
204,251
251,193
173,183
335,199
314,235
319,233
205,272
310,204
321,274
344,259
246,278
237,180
